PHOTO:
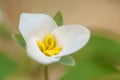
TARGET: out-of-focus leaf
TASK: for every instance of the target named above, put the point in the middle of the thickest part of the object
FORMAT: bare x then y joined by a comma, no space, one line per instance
67,60
19,39
7,66
4,31
20,77
109,77
58,18
100,57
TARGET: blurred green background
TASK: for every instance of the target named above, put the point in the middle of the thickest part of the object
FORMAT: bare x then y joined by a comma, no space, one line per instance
98,60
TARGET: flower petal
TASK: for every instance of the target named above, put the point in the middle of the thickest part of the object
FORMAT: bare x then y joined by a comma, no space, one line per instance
71,38
35,53
35,25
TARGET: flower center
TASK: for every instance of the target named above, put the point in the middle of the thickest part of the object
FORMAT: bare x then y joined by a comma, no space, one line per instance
48,46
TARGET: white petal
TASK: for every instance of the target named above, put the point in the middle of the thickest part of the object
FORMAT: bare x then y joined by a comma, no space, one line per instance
35,25
71,38
35,53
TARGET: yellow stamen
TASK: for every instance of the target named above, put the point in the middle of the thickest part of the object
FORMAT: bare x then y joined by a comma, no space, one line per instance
48,46
49,42
41,46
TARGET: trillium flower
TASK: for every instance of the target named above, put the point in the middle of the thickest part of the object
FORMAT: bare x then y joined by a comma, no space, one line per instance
46,42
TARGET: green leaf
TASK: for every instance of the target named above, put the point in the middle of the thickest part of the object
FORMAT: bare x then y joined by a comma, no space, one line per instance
67,60
7,66
99,58
58,18
18,38
110,77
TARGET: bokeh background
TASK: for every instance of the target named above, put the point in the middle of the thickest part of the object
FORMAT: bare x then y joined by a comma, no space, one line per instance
98,60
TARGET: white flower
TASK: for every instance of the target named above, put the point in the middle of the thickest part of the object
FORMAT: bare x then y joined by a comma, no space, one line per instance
46,42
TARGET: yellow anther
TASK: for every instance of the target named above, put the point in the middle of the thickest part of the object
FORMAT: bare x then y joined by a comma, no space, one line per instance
53,51
48,46
41,46
49,53
49,42
56,50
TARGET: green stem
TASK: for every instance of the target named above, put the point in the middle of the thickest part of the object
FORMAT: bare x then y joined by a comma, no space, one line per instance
46,72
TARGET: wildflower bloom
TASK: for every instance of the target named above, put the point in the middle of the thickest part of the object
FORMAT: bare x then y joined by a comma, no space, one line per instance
46,42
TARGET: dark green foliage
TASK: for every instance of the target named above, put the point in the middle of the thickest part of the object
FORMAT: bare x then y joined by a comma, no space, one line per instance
7,66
